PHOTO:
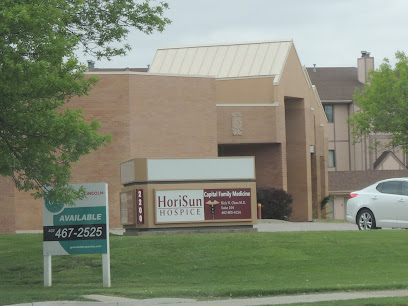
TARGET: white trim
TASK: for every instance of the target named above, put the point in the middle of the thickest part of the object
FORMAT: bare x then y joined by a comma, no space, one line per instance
274,104
192,169
337,101
277,79
231,44
248,77
307,77
151,74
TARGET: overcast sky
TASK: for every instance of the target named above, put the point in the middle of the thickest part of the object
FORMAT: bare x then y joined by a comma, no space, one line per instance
328,33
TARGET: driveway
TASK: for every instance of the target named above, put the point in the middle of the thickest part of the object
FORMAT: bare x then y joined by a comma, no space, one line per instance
268,225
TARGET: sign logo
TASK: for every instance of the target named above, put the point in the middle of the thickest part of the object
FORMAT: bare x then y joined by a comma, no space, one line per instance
174,206
53,208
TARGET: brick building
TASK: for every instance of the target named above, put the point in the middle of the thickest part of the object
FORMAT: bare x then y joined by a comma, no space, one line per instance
196,102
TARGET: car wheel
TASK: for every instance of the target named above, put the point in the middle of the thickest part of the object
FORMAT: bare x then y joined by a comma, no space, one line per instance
366,220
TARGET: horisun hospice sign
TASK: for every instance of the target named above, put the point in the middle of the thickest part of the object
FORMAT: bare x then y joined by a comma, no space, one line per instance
79,229
202,205
188,194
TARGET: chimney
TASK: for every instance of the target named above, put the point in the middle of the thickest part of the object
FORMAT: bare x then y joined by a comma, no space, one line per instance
364,64
91,64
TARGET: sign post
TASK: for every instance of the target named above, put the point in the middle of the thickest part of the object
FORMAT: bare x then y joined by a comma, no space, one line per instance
79,229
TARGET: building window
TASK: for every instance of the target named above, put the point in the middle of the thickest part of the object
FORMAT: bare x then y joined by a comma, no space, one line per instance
332,159
328,109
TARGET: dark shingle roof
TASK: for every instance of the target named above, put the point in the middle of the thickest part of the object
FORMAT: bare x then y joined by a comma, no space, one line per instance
355,180
335,83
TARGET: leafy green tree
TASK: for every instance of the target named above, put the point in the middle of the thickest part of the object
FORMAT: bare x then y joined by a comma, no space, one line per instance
384,104
40,137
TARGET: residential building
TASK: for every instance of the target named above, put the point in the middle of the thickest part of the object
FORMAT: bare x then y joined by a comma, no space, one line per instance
352,166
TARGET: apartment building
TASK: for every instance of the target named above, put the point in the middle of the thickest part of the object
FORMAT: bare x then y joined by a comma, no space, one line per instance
352,166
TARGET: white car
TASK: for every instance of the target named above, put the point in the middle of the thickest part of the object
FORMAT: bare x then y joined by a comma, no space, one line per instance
383,204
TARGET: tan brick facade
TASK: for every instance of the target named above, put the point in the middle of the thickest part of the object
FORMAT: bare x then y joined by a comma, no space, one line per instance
147,116
7,206
280,122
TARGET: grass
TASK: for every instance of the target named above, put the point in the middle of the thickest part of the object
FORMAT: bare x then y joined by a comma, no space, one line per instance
210,266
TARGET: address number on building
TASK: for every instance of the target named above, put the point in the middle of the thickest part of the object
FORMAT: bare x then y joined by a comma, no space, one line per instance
74,232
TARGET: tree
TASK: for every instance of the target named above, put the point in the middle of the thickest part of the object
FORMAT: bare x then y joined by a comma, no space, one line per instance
40,137
384,104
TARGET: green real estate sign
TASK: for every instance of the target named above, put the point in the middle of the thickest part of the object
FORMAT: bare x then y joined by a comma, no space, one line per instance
80,229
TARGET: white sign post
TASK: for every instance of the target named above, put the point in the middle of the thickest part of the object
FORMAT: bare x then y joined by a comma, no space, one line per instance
79,229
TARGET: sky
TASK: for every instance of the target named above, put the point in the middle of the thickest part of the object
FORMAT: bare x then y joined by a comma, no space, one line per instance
328,33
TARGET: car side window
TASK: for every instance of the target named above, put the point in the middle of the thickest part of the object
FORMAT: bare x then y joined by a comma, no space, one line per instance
405,188
390,187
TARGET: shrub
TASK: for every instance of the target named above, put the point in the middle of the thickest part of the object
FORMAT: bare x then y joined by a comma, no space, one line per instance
276,203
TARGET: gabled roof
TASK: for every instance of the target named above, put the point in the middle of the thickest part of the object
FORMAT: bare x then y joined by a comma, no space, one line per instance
224,61
385,156
335,83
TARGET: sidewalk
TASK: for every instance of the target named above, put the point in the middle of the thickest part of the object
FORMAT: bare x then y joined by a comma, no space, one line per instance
289,299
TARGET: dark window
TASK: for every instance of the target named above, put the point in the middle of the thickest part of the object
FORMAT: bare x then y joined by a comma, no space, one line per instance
391,187
328,109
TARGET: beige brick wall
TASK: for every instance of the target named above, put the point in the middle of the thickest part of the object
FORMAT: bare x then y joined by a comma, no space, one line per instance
108,103
7,207
28,211
250,90
173,117
147,116
259,124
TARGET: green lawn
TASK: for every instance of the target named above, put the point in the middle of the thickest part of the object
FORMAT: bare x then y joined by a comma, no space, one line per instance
210,265
397,301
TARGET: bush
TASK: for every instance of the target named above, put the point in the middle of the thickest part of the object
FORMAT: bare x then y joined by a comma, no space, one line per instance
276,203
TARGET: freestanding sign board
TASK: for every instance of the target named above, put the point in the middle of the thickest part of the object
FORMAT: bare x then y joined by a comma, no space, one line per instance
79,229
202,205
190,194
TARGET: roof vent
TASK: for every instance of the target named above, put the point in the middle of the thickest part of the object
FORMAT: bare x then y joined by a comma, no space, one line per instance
314,68
91,64
365,54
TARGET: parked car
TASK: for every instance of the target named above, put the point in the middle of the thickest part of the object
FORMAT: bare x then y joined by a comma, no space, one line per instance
383,204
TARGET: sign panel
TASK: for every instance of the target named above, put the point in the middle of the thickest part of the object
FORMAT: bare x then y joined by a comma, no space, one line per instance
228,203
139,206
177,206
127,215
80,229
